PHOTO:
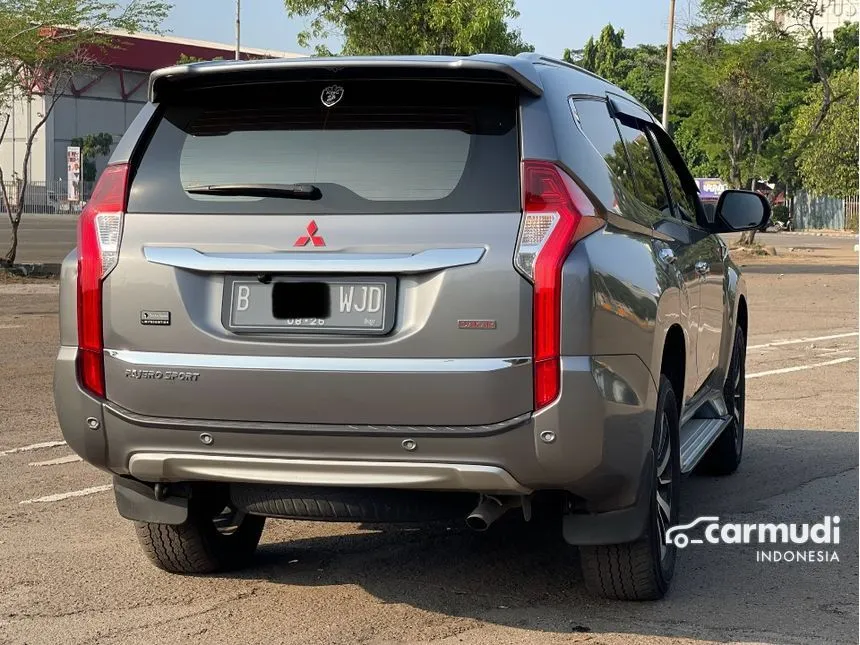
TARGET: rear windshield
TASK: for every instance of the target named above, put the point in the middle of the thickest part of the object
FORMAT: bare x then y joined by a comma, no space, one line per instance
383,147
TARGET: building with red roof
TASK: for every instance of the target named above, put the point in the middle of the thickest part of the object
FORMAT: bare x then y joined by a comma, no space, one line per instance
106,100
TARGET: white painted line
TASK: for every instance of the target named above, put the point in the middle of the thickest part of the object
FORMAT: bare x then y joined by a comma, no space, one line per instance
68,459
796,341
33,446
10,326
59,497
798,368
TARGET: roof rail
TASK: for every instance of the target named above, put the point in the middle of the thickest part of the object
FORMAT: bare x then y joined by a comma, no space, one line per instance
540,58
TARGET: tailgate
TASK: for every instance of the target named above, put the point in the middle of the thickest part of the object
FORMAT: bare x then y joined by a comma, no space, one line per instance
389,298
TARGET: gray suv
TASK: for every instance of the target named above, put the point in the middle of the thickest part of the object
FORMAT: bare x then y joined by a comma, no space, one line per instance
402,290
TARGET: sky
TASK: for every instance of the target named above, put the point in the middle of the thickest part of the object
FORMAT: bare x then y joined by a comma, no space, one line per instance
550,25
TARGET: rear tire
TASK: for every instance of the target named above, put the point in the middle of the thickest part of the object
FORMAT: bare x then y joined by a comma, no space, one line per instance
724,457
642,570
210,540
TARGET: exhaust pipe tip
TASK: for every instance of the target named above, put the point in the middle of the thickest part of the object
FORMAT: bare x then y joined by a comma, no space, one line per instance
477,523
488,510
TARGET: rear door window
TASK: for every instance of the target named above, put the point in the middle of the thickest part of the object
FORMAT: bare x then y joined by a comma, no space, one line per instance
384,147
685,200
647,178
593,118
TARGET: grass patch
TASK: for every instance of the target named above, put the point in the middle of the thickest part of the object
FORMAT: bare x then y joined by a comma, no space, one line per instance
11,277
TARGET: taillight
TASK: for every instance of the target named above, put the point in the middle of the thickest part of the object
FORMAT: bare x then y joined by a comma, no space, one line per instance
99,229
553,208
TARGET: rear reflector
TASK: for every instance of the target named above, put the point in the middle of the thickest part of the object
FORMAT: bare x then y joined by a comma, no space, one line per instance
99,229
553,207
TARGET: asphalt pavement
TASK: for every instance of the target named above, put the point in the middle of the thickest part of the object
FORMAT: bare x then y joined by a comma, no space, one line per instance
71,571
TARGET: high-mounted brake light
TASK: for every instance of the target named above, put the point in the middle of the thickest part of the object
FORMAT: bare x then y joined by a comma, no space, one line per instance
553,208
99,229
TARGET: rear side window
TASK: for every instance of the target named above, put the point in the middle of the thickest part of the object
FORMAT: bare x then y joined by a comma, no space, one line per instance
647,179
684,200
599,127
384,147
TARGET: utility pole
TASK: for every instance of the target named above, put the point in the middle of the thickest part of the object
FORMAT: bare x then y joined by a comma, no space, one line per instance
238,29
667,89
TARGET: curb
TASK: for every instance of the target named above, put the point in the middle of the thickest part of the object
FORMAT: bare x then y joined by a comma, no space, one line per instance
820,233
35,270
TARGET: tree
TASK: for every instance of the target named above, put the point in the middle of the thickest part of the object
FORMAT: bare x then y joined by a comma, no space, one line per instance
830,166
44,44
390,27
603,56
92,146
794,20
637,70
735,100
185,59
842,51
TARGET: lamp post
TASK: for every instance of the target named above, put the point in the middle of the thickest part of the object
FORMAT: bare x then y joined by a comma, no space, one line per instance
238,30
667,84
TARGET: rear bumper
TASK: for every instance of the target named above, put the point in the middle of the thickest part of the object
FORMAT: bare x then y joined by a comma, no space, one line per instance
415,475
602,425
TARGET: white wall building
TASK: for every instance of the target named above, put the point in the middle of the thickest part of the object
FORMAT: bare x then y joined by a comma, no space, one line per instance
104,101
834,13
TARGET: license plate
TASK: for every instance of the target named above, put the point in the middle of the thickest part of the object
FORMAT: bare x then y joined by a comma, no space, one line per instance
310,305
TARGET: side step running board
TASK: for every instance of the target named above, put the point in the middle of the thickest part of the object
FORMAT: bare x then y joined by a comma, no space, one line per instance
697,435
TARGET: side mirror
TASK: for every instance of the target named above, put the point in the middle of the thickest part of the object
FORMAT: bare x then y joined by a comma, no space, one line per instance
741,210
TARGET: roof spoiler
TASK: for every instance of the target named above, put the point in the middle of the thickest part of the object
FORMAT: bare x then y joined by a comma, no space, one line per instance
518,70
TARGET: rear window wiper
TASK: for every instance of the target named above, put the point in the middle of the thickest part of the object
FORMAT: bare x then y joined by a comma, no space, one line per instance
286,191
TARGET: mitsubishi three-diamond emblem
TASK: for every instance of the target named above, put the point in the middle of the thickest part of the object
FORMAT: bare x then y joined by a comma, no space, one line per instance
312,237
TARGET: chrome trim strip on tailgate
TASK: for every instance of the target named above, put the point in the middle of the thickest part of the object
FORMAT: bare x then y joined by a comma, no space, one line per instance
280,427
313,363
313,262
156,466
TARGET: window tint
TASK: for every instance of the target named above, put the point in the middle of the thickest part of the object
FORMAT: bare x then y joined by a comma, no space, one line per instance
596,123
599,127
685,201
386,146
646,172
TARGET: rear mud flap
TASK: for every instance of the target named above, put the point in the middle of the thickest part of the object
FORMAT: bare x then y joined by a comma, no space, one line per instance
136,501
614,527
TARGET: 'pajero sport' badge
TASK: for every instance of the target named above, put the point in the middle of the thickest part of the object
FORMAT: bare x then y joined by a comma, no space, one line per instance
331,95
154,317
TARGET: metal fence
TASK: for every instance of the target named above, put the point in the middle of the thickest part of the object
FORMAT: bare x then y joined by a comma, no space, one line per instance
822,212
47,197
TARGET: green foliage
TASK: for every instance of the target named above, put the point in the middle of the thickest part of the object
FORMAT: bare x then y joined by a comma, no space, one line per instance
749,108
92,146
638,70
780,213
735,100
42,42
389,27
43,45
185,59
829,167
604,55
842,51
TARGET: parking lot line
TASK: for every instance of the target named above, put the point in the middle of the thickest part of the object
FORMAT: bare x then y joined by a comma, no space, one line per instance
798,368
32,446
796,341
68,459
58,497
